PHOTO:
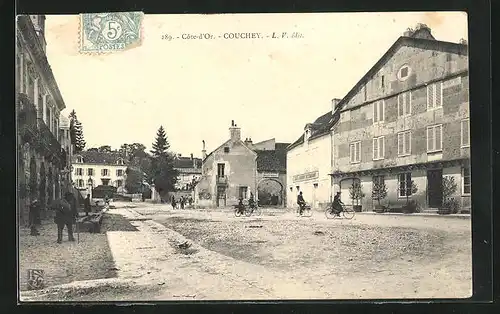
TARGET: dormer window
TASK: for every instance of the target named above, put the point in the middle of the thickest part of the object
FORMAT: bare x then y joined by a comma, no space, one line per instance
226,149
404,72
120,162
79,159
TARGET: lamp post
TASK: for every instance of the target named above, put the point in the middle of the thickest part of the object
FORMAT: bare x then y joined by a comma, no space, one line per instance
90,184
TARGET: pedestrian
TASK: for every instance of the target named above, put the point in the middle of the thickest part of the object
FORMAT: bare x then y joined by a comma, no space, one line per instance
190,201
65,216
33,217
183,201
173,203
86,205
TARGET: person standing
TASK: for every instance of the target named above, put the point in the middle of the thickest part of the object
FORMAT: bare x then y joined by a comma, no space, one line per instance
33,217
183,201
86,205
172,202
65,216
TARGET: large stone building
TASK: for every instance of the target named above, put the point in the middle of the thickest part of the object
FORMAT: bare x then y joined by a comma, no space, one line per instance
407,119
93,168
43,162
240,168
309,162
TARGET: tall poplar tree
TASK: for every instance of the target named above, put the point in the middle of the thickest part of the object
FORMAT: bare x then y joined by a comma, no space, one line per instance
76,132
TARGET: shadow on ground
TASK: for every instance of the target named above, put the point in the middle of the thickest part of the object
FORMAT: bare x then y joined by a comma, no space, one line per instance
116,222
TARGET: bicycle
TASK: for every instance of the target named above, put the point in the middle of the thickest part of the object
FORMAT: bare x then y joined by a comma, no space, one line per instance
247,211
306,212
347,212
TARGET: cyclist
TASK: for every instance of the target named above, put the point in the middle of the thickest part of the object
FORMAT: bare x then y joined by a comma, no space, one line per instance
241,206
337,205
301,202
251,202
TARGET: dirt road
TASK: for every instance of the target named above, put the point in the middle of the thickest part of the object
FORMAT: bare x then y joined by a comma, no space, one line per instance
286,257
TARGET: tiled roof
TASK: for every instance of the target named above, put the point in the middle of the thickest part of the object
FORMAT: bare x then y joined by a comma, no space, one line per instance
99,158
186,162
272,160
319,127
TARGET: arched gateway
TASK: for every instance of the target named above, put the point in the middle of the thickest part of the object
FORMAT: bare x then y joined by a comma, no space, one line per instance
270,192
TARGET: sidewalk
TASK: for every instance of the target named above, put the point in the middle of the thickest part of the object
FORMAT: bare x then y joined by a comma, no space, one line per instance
66,262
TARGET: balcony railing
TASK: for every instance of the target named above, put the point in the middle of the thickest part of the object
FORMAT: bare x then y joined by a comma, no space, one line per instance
221,179
50,140
27,119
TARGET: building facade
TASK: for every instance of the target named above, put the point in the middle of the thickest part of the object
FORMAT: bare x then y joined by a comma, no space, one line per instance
240,169
407,120
189,169
42,160
92,168
309,163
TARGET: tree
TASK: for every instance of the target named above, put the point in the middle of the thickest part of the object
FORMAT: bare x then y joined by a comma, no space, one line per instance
76,132
93,149
163,174
161,145
104,149
133,150
133,180
379,191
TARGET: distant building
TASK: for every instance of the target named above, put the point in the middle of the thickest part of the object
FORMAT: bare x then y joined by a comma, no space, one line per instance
407,119
92,168
239,169
189,169
42,160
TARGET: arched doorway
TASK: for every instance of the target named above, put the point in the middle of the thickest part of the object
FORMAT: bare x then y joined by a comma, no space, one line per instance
50,186
270,193
42,187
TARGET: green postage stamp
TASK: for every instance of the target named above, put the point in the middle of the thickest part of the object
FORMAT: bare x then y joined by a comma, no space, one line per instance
110,32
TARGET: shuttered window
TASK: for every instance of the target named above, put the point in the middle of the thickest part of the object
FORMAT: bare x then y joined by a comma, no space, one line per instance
378,111
404,104
434,96
378,148
464,133
404,143
435,138
355,152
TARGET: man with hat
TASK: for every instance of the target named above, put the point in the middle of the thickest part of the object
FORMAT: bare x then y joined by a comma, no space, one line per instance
65,216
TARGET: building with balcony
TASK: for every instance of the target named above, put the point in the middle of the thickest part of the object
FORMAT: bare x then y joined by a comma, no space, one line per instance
407,120
240,168
93,168
41,158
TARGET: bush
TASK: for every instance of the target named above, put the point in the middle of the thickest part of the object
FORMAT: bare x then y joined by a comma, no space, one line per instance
453,204
411,207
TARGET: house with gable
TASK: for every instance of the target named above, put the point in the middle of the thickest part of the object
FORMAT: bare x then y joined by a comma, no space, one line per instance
238,169
407,120
309,162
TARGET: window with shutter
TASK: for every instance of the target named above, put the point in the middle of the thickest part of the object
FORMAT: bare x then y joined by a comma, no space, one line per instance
434,138
435,96
430,97
408,104
404,143
466,183
378,148
400,105
355,152
375,112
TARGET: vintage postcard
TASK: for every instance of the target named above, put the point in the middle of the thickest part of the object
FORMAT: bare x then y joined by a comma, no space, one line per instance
243,156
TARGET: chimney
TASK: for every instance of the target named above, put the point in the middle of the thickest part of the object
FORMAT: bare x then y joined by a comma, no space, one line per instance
248,142
234,132
193,160
335,102
203,151
408,32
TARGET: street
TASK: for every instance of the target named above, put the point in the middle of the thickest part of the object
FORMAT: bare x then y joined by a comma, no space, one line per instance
284,256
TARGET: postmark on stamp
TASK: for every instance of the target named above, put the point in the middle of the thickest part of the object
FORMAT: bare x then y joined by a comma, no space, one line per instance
110,32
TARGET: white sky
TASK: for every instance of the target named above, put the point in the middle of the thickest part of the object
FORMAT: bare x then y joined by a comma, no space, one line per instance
194,88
